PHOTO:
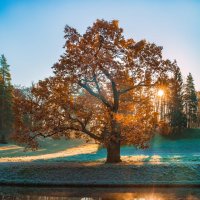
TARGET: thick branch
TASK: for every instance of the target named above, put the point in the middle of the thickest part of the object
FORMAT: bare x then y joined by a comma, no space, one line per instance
84,130
114,89
97,85
100,97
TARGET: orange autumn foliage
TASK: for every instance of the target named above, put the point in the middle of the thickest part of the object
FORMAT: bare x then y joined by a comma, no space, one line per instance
101,90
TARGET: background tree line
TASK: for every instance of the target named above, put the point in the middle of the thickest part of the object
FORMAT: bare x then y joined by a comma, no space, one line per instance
179,105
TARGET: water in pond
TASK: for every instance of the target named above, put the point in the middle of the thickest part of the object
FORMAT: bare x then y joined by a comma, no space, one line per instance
44,193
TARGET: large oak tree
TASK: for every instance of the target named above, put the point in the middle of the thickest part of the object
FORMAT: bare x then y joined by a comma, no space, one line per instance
101,90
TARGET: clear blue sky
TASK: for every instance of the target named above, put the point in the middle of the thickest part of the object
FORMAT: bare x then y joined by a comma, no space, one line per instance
31,31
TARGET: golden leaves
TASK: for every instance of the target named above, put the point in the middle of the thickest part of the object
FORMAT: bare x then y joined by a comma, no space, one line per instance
100,78
139,46
116,23
125,119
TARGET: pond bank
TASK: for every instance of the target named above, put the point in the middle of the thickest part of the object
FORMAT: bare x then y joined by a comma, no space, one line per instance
99,174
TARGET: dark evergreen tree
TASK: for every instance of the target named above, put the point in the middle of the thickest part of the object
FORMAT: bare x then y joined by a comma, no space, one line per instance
6,113
191,102
177,117
198,112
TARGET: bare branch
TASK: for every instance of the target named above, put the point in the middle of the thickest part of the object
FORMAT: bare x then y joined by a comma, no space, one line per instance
114,89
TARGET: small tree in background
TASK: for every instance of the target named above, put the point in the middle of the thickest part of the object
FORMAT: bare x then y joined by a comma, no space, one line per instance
198,112
177,118
191,102
22,106
6,98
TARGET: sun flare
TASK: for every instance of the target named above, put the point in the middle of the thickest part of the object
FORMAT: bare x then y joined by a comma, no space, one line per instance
160,93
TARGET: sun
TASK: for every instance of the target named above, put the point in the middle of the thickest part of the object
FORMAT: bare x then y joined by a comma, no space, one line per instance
160,93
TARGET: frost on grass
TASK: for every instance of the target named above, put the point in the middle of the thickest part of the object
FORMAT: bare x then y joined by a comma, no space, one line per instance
165,162
161,151
97,173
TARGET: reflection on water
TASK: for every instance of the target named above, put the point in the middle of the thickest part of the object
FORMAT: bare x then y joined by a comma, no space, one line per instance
44,193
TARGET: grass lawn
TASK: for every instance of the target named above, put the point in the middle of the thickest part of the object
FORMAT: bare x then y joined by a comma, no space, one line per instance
183,148
169,160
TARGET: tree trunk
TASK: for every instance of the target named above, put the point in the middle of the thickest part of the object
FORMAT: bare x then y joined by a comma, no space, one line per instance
113,152
113,146
3,139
